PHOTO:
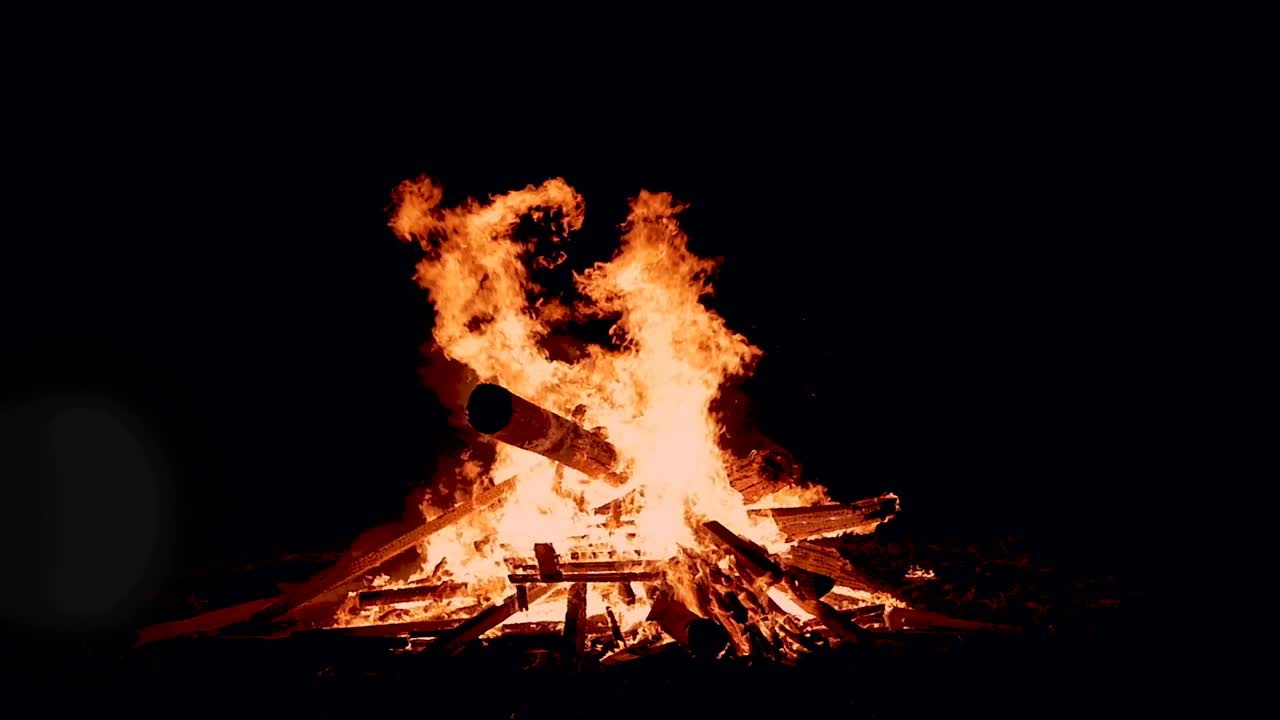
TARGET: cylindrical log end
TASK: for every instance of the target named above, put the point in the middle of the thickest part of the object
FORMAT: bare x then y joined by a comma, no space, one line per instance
706,638
489,408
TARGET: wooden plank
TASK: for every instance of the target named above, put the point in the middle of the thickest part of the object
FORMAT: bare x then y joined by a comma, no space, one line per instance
417,593
755,558
575,624
548,562
862,516
627,593
638,652
414,628
609,577
387,552
910,619
489,618
614,629
612,566
208,622
829,562
763,565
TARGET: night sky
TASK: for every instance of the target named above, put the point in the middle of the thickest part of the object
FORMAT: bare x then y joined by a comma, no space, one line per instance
211,338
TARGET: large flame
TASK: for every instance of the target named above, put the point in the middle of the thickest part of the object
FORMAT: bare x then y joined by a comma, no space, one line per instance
650,392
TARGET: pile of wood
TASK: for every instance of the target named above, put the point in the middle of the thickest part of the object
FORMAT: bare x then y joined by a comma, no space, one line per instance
730,597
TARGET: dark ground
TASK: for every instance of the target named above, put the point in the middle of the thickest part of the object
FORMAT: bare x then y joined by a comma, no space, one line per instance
211,344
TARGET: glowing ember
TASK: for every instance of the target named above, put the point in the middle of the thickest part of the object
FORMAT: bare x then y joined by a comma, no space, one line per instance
642,405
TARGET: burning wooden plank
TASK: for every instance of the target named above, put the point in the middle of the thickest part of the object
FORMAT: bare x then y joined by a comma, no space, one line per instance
548,562
420,593
828,561
758,562
627,593
800,523
503,415
486,620
575,623
638,652
373,560
753,557
615,630
763,471
898,618
605,577
211,621
592,625
414,628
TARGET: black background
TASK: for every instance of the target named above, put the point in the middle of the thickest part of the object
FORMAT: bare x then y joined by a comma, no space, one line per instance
959,278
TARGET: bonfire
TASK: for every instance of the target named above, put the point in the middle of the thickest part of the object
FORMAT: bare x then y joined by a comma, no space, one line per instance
598,504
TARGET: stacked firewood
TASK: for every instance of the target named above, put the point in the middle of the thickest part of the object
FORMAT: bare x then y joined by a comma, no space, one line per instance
729,597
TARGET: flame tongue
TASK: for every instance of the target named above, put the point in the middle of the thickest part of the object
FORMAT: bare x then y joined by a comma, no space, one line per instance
632,421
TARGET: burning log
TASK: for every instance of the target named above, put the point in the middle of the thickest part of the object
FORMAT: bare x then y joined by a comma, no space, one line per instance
486,620
703,638
801,523
499,413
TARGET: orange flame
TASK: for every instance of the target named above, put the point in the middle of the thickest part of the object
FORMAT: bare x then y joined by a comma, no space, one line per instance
650,393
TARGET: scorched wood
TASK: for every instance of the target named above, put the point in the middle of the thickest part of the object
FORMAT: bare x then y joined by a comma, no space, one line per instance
503,415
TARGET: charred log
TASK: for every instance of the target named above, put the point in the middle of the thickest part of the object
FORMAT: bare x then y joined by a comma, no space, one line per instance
503,415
